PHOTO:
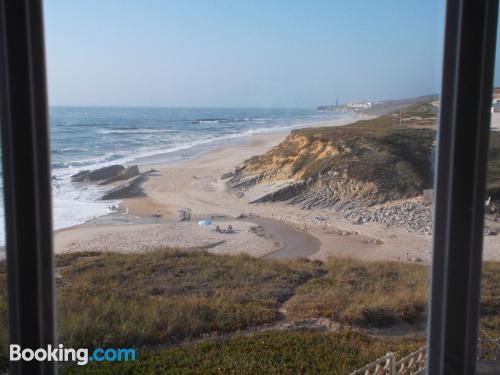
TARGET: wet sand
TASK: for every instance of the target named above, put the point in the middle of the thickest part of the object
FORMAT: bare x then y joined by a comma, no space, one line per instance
295,244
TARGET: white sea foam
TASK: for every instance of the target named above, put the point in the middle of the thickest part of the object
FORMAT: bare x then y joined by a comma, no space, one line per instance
136,131
91,139
74,204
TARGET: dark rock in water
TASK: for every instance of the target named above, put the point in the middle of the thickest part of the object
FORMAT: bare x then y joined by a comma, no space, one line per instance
105,172
126,174
128,190
98,174
80,176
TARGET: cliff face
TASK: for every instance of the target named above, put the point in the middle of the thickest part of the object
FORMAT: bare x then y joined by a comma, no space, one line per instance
366,163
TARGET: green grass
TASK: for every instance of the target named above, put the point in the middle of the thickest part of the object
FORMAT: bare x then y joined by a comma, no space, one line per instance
265,353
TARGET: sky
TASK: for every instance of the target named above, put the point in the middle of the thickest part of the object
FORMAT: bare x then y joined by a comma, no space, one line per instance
259,53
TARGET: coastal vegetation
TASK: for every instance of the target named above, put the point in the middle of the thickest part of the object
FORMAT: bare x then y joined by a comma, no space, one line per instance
194,311
494,165
365,294
274,352
168,296
191,311
369,162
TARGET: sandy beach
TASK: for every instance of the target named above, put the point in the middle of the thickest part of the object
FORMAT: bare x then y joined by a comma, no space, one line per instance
264,229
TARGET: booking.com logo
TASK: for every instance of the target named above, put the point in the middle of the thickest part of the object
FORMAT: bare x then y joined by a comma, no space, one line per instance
80,356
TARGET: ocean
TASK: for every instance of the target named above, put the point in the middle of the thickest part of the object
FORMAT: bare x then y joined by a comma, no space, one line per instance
93,137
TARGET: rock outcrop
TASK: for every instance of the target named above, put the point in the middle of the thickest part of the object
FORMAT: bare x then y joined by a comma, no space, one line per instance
107,175
98,174
364,164
103,176
80,176
130,189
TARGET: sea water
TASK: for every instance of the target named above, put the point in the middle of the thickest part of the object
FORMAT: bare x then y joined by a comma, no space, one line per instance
93,137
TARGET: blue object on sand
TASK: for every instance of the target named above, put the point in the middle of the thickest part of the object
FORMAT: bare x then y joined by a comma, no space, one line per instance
205,222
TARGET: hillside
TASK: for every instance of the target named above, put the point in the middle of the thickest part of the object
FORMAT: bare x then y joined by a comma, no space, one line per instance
380,108
366,163
359,165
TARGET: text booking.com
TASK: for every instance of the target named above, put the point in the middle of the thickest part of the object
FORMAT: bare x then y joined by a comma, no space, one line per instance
80,356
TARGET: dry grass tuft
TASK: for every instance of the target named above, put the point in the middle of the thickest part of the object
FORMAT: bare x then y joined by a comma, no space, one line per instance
378,294
167,295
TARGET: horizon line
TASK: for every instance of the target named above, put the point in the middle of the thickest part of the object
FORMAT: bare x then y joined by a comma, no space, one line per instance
174,107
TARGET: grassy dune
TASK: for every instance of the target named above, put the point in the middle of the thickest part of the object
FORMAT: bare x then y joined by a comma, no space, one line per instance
167,296
368,162
365,163
378,294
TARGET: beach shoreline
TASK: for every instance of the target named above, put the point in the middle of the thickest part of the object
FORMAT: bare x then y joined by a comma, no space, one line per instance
196,184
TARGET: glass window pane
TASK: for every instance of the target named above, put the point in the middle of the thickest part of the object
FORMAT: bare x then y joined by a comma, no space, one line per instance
243,187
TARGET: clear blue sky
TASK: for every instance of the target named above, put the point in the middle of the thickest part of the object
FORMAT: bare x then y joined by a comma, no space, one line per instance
241,53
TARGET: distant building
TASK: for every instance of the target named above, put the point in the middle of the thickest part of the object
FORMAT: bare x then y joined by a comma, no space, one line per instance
359,105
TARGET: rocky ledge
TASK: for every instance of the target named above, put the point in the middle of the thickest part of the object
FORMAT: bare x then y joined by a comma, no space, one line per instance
130,189
132,177
106,175
368,163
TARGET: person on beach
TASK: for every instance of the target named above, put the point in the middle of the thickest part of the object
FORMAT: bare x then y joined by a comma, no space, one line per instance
217,229
230,229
